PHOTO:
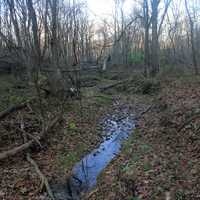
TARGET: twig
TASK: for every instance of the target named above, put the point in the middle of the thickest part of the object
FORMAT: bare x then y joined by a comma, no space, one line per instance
36,139
188,121
144,112
91,193
15,108
27,145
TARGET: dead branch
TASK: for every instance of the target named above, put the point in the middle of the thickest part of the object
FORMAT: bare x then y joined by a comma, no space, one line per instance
27,145
52,124
102,89
16,150
44,181
36,139
144,112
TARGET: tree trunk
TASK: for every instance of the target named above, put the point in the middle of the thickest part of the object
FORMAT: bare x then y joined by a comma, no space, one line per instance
146,36
194,54
11,4
155,45
33,18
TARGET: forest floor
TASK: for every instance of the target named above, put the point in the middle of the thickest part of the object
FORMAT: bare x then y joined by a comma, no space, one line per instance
162,158
66,144
160,161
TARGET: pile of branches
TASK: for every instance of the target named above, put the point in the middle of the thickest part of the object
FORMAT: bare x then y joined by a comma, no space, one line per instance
22,132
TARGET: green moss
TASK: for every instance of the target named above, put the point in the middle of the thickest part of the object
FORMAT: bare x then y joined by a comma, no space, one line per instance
128,144
131,165
103,99
147,166
144,148
67,159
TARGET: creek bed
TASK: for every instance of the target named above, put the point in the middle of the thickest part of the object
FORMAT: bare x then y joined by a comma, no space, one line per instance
116,128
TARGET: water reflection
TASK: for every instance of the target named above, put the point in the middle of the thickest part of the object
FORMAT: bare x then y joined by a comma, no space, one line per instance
85,172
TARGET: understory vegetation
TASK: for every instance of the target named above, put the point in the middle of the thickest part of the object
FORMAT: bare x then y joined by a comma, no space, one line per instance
70,138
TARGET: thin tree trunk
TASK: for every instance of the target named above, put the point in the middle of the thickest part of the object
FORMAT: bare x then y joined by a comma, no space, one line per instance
155,45
146,37
33,18
194,56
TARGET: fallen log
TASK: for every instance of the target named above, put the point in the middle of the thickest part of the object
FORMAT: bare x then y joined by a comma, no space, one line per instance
102,89
139,116
28,144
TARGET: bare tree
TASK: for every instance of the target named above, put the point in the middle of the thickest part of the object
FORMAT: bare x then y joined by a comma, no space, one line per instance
155,44
147,21
192,39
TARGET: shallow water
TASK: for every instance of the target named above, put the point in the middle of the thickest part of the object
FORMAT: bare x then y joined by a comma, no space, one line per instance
116,129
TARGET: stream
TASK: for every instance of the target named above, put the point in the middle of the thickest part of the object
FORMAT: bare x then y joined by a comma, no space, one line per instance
116,128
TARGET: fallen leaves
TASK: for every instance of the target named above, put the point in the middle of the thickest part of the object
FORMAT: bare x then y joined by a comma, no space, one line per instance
163,162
